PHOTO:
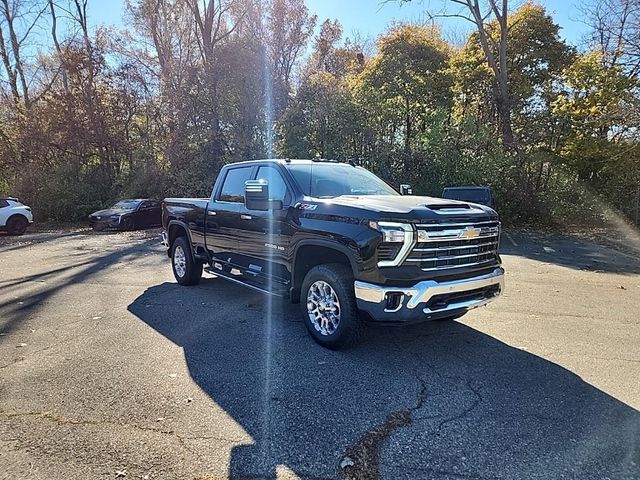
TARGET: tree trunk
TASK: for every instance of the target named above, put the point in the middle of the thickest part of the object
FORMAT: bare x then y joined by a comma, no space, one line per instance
503,107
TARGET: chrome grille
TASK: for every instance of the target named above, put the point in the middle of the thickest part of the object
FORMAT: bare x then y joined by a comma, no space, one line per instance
455,245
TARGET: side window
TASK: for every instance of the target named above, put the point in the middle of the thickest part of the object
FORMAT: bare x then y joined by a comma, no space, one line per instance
277,186
233,186
3,203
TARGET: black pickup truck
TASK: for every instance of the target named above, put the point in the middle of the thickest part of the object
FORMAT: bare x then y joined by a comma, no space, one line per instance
340,241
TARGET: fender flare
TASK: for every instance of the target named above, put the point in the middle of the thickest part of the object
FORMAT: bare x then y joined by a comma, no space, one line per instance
185,227
332,244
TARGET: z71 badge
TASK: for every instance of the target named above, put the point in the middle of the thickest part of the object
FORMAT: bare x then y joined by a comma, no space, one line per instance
307,206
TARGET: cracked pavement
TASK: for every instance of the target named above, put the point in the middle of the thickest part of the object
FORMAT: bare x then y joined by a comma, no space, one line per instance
108,367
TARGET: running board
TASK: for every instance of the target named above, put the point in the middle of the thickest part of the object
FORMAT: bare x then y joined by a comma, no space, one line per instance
226,276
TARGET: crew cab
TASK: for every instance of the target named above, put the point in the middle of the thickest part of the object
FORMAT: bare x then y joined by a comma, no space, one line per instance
15,217
338,240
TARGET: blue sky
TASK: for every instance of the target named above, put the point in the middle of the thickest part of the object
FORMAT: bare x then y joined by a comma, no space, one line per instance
371,17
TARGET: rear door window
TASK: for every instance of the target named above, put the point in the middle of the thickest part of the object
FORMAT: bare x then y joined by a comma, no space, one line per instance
3,203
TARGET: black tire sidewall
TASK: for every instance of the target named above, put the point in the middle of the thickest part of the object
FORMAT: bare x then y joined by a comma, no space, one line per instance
193,271
128,224
349,326
17,225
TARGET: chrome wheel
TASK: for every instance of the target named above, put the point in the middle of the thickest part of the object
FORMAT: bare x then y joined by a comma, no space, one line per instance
179,261
323,307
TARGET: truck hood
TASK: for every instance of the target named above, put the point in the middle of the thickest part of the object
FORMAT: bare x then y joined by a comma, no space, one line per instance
406,204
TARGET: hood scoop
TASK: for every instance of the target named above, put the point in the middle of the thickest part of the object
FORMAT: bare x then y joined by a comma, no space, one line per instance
447,206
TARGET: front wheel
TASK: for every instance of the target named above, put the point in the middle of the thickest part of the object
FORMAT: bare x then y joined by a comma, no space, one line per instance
128,224
329,306
186,270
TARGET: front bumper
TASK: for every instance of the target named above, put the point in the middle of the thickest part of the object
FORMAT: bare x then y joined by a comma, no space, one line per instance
428,300
104,222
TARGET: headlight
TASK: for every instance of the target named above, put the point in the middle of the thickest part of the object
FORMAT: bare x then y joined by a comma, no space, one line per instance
400,234
391,233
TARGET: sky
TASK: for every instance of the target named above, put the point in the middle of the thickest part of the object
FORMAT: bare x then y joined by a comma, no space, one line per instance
369,18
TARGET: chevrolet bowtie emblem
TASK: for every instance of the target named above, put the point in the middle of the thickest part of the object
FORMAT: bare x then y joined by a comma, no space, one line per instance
469,233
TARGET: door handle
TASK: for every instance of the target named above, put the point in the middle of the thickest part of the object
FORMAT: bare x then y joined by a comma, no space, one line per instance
246,217
212,213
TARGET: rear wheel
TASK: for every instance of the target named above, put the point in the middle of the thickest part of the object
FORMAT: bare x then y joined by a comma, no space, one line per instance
329,306
17,225
186,270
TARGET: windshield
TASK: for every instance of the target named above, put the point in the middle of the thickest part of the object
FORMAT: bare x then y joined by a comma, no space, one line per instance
127,204
327,180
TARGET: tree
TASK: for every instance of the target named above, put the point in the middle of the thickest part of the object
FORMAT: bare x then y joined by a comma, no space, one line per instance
289,29
491,25
596,104
615,32
321,120
406,81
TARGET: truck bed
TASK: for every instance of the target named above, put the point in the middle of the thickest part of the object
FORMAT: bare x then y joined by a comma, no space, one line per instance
188,210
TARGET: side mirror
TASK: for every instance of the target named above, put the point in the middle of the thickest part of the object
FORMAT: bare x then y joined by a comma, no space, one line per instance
405,189
256,196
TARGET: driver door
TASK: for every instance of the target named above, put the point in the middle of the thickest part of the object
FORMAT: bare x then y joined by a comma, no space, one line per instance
264,237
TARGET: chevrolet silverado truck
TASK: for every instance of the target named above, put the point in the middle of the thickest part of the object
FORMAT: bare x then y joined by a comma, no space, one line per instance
338,240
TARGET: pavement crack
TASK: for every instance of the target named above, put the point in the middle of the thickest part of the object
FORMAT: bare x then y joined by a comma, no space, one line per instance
362,458
15,360
182,439
478,399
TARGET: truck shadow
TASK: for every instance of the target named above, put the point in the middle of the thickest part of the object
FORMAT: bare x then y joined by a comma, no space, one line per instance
433,400
570,252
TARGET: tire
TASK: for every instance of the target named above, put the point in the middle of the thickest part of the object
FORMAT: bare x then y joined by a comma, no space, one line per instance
319,313
98,227
128,224
186,270
17,225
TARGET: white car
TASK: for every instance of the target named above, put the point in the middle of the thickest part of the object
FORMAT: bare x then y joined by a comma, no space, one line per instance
14,216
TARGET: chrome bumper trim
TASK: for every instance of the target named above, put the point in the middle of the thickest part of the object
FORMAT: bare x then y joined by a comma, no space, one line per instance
422,292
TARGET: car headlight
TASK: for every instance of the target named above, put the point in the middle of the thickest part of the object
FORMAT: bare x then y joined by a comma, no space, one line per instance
397,241
391,232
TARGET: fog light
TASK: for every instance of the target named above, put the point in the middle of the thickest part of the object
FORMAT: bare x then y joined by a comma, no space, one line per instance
393,301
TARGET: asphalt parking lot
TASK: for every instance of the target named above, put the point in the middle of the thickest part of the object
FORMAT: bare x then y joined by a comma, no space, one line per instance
109,369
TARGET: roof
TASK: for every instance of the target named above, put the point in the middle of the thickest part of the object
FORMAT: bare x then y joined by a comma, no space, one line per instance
288,161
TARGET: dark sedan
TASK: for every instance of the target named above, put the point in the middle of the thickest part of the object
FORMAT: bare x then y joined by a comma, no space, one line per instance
128,215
